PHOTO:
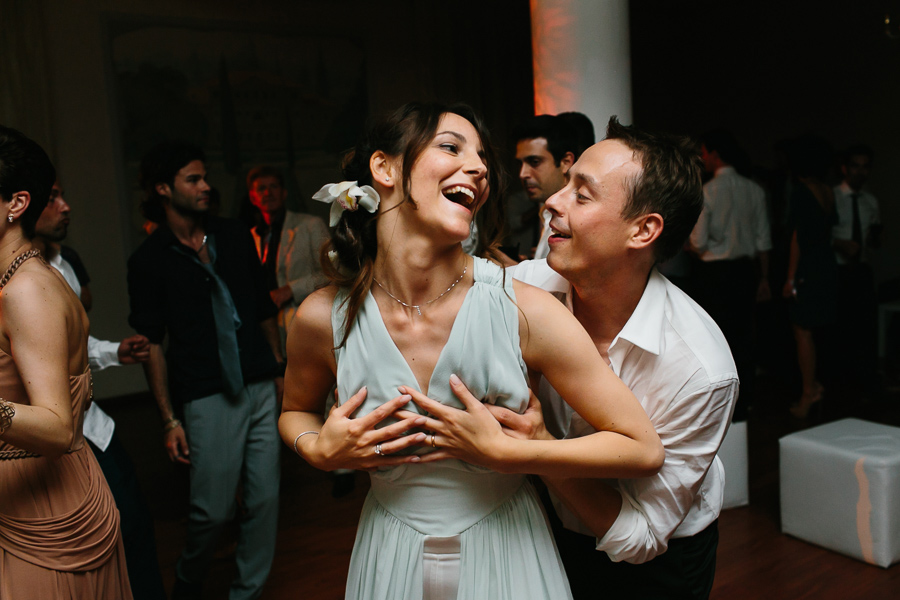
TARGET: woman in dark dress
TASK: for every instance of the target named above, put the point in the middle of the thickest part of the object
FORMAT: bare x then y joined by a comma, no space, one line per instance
812,269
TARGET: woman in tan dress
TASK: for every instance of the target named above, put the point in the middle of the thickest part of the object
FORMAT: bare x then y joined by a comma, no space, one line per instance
59,526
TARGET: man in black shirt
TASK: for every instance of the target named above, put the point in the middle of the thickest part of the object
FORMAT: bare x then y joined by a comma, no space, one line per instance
198,280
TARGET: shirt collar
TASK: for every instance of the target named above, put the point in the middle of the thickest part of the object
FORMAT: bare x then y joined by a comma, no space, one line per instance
644,328
727,169
167,237
847,190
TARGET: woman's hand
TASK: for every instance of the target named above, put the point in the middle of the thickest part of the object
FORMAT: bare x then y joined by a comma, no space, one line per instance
473,435
788,291
347,443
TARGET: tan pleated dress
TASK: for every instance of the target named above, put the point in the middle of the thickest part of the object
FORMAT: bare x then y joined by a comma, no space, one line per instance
59,526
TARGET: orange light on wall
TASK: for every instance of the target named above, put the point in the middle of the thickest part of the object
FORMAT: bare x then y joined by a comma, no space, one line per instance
555,78
581,57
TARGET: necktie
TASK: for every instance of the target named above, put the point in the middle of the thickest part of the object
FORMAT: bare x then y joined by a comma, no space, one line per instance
227,322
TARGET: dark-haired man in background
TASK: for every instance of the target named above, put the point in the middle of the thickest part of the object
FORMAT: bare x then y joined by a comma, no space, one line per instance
629,203
197,279
546,148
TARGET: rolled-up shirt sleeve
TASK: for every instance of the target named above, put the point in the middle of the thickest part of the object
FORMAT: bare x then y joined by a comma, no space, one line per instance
102,353
653,508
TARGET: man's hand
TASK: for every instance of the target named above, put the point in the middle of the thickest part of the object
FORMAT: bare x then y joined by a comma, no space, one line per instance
176,445
847,248
282,295
133,350
527,426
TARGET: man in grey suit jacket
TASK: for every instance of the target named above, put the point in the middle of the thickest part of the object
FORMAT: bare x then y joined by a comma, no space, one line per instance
288,244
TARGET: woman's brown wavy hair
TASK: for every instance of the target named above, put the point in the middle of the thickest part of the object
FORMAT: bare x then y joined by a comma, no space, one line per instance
404,134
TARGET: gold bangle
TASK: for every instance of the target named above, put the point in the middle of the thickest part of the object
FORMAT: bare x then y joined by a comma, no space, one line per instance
297,439
7,412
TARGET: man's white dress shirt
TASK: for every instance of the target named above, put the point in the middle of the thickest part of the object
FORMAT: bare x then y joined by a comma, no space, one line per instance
98,426
543,246
869,215
677,363
734,222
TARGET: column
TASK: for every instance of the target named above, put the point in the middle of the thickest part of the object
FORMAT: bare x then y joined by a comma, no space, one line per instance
582,59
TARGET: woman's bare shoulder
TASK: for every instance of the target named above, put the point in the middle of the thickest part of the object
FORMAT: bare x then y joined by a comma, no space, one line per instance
32,284
532,299
313,317
318,305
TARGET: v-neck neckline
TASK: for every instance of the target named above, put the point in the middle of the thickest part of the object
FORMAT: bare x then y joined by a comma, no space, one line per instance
370,298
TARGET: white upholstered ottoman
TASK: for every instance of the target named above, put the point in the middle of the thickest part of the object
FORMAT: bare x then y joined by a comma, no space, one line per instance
840,488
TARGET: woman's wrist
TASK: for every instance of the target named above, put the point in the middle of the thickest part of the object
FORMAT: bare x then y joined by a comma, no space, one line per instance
300,436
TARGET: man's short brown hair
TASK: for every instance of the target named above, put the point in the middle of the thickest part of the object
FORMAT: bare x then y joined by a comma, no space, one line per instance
264,171
670,183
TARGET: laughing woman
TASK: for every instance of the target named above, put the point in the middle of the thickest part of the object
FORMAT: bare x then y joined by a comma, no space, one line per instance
409,308
59,527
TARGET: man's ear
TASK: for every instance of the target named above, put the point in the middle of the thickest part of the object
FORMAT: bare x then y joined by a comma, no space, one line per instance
383,171
566,162
647,229
163,189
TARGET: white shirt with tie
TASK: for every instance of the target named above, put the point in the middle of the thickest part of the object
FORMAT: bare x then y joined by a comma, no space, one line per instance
868,215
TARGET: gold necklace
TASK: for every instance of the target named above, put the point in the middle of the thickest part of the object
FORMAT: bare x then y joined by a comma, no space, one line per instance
418,307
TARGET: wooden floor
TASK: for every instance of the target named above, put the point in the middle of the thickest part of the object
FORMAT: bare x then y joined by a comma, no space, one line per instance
755,560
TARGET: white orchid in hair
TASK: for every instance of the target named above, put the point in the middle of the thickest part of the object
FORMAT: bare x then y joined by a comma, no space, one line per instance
346,195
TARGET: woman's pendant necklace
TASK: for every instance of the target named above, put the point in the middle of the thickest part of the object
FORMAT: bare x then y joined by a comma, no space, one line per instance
418,307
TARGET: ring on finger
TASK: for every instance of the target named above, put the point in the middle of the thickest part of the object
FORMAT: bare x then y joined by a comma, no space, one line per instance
432,441
378,450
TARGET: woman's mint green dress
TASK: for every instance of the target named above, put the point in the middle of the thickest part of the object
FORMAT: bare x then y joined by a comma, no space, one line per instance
493,520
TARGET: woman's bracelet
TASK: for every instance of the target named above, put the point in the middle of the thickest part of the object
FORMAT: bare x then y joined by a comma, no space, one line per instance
7,412
297,439
170,425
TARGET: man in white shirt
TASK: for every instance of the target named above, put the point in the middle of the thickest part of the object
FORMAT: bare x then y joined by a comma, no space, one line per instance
629,203
731,238
857,232
99,428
